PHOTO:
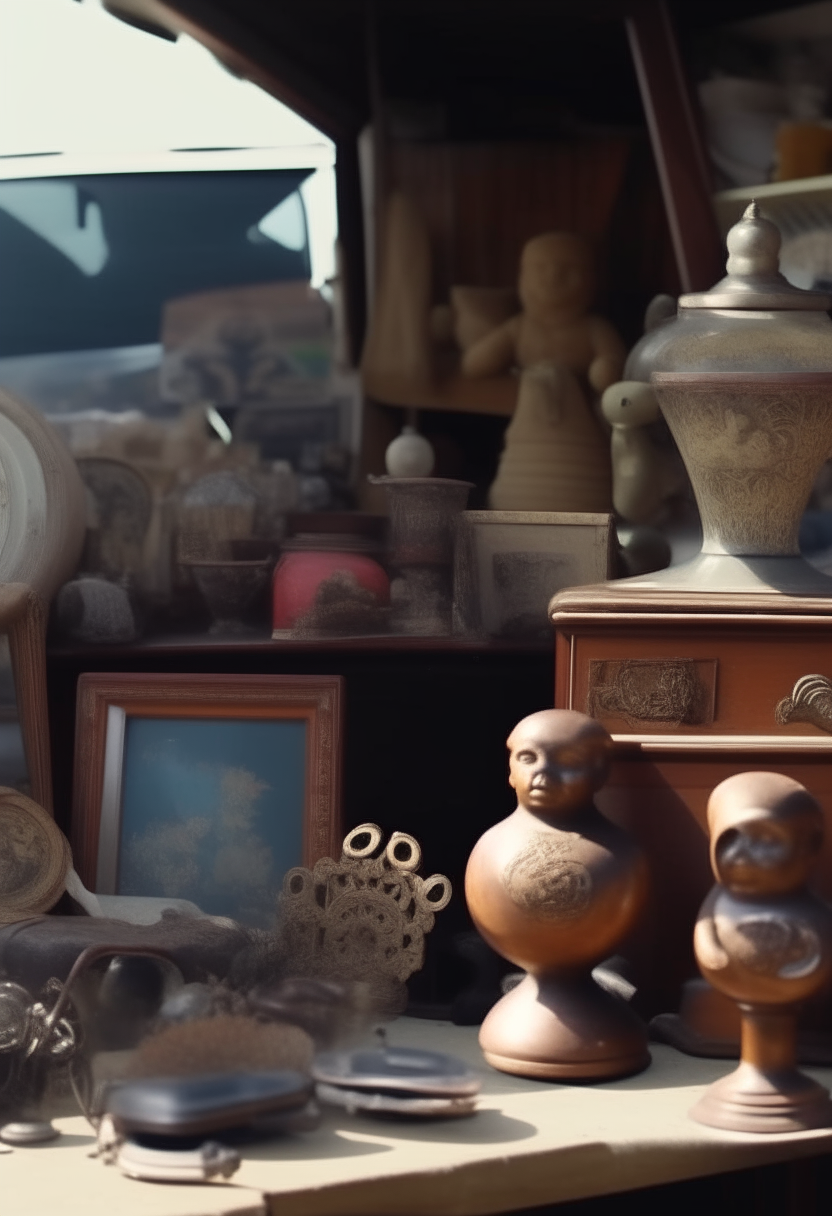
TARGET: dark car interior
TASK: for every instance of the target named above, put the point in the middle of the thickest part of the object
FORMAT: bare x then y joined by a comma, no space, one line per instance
167,235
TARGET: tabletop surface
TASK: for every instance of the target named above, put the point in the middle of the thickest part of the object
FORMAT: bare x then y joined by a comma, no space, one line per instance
530,1143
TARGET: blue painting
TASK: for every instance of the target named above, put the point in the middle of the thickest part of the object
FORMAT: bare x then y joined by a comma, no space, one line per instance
212,811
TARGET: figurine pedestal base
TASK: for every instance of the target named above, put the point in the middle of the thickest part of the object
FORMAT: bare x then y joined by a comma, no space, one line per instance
564,1028
748,1100
767,1093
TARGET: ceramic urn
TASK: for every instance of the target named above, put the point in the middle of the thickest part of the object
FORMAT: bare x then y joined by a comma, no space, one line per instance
743,375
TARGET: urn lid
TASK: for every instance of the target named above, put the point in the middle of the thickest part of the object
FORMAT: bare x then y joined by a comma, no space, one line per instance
752,323
754,280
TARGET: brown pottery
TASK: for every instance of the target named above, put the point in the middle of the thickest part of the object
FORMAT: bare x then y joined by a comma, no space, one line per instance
765,940
554,888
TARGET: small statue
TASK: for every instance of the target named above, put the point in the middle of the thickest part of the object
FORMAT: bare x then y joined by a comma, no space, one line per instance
764,940
642,479
556,285
554,888
647,471
556,457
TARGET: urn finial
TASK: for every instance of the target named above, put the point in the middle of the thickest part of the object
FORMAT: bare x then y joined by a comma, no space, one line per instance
754,280
753,245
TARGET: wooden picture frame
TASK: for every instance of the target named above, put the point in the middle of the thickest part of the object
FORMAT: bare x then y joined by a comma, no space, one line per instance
124,757
509,564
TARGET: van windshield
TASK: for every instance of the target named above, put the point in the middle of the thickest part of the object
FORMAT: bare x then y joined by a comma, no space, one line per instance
89,261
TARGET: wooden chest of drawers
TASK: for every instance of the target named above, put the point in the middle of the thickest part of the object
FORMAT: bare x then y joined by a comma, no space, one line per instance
694,688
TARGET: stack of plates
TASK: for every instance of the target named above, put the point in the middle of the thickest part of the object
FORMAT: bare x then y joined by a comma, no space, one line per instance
397,1081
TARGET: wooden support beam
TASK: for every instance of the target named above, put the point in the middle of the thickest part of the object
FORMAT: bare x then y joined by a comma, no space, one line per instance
680,155
243,53
351,237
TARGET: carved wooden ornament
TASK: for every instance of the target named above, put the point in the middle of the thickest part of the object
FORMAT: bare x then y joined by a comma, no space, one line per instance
34,858
810,701
364,917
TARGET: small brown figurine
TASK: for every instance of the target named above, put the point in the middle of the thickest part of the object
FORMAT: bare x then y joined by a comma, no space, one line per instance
553,888
764,940
555,286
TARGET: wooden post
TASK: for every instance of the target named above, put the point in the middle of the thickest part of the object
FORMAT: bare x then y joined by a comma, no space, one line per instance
681,159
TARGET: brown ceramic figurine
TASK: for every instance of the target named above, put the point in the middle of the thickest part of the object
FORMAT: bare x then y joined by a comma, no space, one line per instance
764,940
554,888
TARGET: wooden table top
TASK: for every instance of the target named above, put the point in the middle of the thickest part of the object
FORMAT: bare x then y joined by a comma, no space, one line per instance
531,1143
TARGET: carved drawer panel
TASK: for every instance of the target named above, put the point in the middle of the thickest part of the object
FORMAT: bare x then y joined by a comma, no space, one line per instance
714,684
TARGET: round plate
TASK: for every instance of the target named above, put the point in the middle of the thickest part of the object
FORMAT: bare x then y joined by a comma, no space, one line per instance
42,501
405,1070
386,1104
34,858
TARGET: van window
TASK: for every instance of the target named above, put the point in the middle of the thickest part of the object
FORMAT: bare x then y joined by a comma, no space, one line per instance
89,262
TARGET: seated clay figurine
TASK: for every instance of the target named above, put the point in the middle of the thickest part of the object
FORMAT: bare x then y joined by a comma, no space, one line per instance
553,888
764,940
556,457
555,287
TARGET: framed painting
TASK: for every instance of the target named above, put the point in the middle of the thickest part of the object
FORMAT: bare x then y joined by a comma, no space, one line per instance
206,787
509,564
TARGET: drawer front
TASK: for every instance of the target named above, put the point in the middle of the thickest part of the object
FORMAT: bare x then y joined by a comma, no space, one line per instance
681,684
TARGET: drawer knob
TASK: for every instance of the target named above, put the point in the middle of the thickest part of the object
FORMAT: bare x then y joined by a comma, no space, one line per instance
810,701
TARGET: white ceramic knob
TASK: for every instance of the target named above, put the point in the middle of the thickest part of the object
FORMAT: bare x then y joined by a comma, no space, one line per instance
753,245
409,455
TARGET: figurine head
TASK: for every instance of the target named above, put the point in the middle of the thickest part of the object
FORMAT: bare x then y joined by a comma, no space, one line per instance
556,274
558,760
630,403
766,831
